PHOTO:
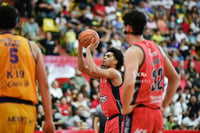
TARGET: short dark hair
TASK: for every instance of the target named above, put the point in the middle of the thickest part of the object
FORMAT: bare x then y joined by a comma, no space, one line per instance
8,17
136,19
118,56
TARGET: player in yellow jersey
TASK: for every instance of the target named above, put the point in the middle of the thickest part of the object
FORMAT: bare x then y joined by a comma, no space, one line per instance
21,65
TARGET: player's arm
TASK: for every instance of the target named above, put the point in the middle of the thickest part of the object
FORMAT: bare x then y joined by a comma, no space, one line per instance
81,63
132,59
110,73
41,77
96,125
173,81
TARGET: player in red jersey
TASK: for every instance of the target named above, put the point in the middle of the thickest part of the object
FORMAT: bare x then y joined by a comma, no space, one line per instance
110,83
145,67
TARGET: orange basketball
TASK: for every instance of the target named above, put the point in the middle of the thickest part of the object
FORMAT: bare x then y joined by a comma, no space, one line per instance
85,37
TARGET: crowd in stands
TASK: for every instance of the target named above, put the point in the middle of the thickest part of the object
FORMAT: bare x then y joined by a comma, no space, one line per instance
172,24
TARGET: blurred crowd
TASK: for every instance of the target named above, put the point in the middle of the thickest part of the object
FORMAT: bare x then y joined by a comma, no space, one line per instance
55,25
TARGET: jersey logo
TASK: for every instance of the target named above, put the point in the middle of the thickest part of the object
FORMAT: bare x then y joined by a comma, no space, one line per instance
105,80
103,98
140,131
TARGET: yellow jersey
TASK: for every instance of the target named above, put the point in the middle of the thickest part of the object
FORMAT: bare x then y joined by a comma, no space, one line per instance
17,68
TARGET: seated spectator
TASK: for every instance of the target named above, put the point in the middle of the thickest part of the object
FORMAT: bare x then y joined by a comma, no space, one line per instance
71,121
31,28
180,109
183,80
55,90
40,117
44,10
57,7
185,25
49,44
171,123
70,84
193,106
151,24
157,37
80,80
64,106
61,22
162,25
70,39
180,35
82,102
99,10
190,122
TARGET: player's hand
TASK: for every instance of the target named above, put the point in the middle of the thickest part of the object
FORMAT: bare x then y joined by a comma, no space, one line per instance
48,127
128,110
93,45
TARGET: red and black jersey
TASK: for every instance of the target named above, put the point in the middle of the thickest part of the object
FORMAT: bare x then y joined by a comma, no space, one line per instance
110,98
149,84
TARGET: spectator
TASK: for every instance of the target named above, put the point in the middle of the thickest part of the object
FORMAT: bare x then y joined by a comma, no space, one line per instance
40,117
82,102
64,106
79,79
99,10
55,90
190,122
193,106
180,110
71,120
49,44
31,28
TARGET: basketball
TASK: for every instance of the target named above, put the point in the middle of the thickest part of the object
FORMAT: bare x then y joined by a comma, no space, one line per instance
85,37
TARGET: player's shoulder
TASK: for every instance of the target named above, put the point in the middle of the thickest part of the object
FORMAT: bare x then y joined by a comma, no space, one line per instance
134,49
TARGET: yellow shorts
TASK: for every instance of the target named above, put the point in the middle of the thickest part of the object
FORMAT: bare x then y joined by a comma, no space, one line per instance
17,118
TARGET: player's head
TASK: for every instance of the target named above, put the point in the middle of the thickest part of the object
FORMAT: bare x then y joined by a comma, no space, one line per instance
135,19
118,56
8,17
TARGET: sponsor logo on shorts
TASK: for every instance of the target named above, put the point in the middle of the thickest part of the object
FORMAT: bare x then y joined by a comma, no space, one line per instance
20,119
